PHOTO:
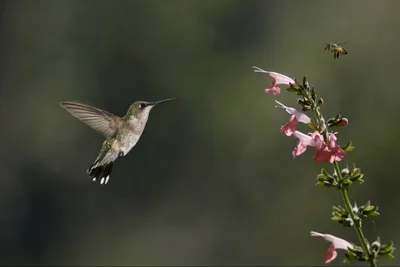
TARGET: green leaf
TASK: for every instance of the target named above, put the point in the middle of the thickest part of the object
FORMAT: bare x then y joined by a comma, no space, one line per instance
295,85
336,218
346,181
360,181
355,171
355,250
322,177
299,93
349,148
337,209
368,208
325,184
387,248
313,94
389,256
374,213
390,243
290,89
305,83
346,260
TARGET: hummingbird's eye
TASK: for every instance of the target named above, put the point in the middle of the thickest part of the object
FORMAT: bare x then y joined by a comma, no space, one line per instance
142,105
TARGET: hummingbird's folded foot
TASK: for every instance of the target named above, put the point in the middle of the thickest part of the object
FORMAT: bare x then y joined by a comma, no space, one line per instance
121,154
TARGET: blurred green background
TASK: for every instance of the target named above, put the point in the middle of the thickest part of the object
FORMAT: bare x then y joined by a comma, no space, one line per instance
211,181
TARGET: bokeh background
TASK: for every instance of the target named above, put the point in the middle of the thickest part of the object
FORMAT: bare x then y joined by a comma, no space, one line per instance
211,181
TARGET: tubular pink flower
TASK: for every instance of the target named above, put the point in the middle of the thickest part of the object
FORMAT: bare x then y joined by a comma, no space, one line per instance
322,151
336,243
277,80
299,149
290,126
304,138
296,117
337,153
300,116
304,141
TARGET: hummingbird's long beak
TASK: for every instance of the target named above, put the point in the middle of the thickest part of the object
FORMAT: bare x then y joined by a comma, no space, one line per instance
162,101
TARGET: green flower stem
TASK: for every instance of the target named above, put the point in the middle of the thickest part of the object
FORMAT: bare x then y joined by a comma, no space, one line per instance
357,224
344,191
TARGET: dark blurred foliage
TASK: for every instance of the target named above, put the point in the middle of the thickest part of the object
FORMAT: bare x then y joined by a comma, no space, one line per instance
211,181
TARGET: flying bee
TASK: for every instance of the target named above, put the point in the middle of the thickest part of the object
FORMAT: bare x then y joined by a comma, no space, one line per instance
336,49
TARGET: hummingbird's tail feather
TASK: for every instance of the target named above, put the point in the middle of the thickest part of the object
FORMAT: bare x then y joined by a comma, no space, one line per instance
102,172
103,165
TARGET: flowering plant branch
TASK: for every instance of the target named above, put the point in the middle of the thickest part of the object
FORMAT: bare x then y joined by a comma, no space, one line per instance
324,141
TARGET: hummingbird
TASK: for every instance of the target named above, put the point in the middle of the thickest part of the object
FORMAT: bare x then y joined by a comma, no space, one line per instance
121,133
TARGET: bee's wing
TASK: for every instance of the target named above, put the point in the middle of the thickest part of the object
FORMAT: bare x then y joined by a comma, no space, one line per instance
329,46
100,120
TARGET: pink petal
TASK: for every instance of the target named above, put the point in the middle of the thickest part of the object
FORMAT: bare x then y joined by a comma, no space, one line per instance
322,152
337,153
321,155
290,126
299,149
337,243
280,78
304,139
318,140
330,254
300,116
332,140
277,79
273,90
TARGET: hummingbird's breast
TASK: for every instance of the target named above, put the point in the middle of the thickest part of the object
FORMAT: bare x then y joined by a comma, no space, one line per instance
128,136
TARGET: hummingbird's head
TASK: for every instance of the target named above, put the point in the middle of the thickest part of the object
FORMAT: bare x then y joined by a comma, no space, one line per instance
141,109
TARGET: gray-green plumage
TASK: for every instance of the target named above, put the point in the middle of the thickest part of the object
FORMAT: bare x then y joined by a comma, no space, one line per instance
121,134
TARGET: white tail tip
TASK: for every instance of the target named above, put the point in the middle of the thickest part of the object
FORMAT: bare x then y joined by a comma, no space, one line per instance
104,180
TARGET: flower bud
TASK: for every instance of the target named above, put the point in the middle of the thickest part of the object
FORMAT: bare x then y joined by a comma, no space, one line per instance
343,122
345,172
302,101
376,246
337,121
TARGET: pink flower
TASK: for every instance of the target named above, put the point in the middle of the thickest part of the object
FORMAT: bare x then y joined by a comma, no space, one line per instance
290,126
336,243
299,149
306,140
322,151
296,117
337,153
277,79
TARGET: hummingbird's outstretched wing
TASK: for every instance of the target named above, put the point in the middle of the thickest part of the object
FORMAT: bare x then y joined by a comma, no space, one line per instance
102,121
